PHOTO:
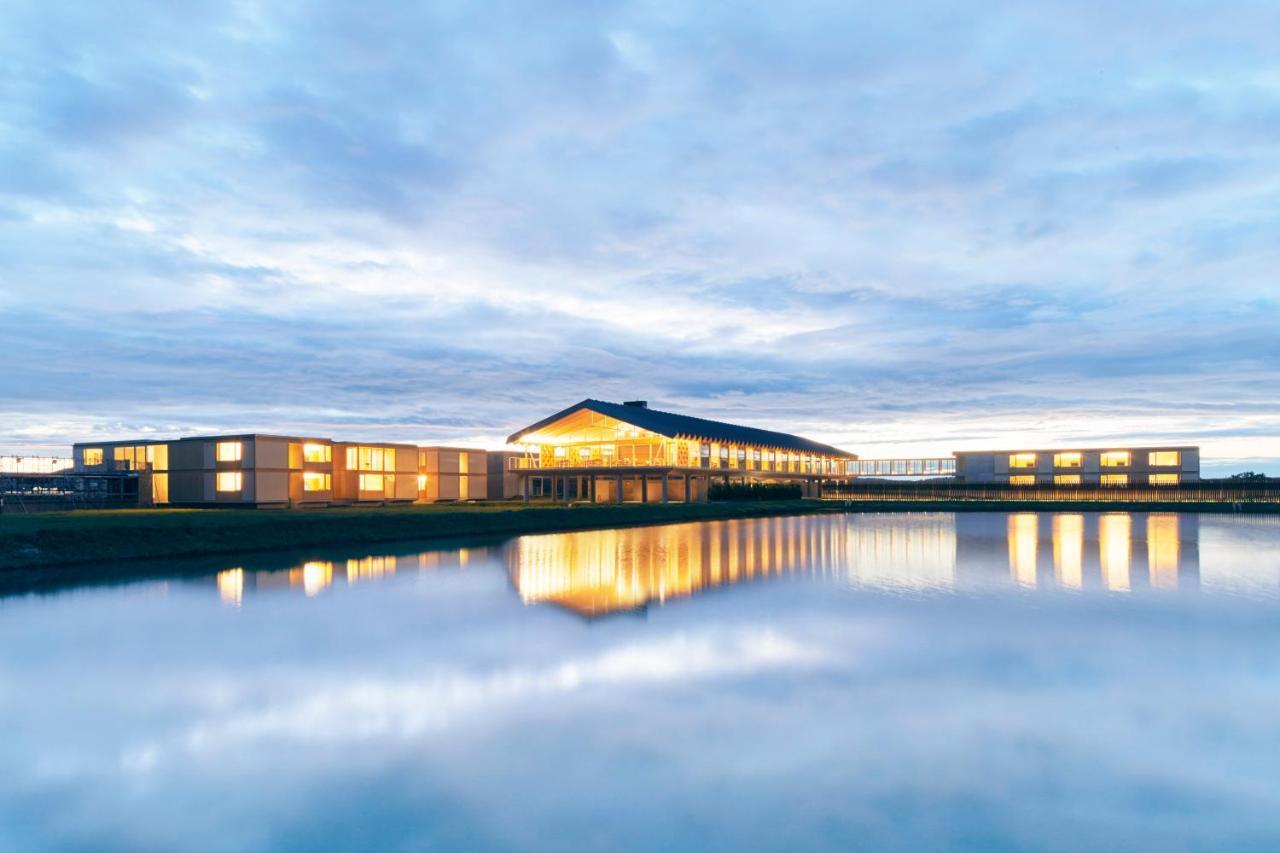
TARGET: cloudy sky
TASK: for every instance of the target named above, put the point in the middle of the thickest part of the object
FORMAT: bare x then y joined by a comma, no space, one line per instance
901,228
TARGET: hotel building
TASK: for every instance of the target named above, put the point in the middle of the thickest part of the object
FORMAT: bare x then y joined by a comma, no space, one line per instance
272,470
614,452
1112,466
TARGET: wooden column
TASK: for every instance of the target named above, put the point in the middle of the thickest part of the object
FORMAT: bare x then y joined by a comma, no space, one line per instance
664,488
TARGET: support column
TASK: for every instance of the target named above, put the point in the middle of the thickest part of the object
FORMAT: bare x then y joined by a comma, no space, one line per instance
524,488
664,488
644,488
617,496
687,496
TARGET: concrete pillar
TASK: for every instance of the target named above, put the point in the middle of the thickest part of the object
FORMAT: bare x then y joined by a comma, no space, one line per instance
524,488
644,488
687,496
617,496
664,488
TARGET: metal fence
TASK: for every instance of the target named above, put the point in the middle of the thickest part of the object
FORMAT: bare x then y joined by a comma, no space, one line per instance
52,492
1203,492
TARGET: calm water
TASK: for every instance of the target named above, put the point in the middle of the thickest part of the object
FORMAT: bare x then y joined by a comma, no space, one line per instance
898,681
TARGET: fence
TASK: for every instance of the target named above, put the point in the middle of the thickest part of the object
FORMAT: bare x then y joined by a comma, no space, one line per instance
1203,492
51,492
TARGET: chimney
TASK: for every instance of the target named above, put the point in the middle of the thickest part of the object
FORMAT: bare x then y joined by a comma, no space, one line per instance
639,404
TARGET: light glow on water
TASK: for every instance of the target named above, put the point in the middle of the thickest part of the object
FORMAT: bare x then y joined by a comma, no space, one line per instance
830,678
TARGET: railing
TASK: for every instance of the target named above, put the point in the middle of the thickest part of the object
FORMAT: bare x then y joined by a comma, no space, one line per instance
536,465
34,464
48,492
1207,491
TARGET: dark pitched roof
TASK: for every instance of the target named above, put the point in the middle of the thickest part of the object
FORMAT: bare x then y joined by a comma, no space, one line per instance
672,425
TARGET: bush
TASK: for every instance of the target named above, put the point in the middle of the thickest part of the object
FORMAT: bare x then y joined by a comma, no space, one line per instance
755,492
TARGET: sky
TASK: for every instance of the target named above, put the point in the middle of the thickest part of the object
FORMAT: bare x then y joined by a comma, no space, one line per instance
903,228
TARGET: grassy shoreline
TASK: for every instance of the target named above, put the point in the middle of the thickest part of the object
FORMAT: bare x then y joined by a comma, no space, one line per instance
51,540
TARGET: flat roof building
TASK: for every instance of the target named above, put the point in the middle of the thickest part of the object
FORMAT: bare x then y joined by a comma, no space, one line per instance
254,469
1067,466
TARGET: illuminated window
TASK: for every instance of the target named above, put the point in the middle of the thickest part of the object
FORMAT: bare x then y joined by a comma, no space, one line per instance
315,481
230,481
1164,459
353,461
229,451
1117,459
1022,460
317,453
1068,460
1115,479
93,456
1066,479
389,459
583,452
422,481
370,482
1022,480
1163,479
561,452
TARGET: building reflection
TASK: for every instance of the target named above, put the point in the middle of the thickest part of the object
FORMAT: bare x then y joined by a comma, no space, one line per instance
1113,551
604,571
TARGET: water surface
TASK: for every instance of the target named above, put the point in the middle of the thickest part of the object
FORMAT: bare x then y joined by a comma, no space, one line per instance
895,681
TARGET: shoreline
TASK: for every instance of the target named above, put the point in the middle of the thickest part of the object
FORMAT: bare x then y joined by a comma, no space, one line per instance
49,542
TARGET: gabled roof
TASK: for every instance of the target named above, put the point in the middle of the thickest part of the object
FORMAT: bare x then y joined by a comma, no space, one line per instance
672,425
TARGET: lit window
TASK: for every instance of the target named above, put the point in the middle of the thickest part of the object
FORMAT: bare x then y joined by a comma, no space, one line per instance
561,453
1163,479
422,481
315,481
317,453
353,461
229,451
1022,480
1117,459
1022,460
1068,460
389,459
1115,479
230,481
1066,479
1164,459
93,456
370,482
376,459
584,452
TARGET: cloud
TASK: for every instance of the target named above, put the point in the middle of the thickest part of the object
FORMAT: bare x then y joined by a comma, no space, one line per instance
817,217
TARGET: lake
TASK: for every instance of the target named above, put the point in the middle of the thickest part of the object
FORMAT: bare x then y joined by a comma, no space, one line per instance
899,681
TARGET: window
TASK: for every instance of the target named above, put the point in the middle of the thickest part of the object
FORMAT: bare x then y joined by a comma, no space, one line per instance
1022,460
229,451
561,452
422,481
93,456
352,459
1066,479
230,481
317,453
389,459
371,482
315,481
1164,459
1117,459
1072,459
1022,480
1115,479
1163,479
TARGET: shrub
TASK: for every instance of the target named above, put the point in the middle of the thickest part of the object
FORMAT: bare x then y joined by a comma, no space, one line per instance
755,492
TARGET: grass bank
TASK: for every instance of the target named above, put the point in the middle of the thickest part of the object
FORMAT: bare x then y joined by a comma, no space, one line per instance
75,538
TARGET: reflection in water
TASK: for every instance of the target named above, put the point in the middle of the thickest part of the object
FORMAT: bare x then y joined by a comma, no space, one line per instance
603,571
1068,549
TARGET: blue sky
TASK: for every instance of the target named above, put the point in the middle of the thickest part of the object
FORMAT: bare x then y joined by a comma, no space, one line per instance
901,228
